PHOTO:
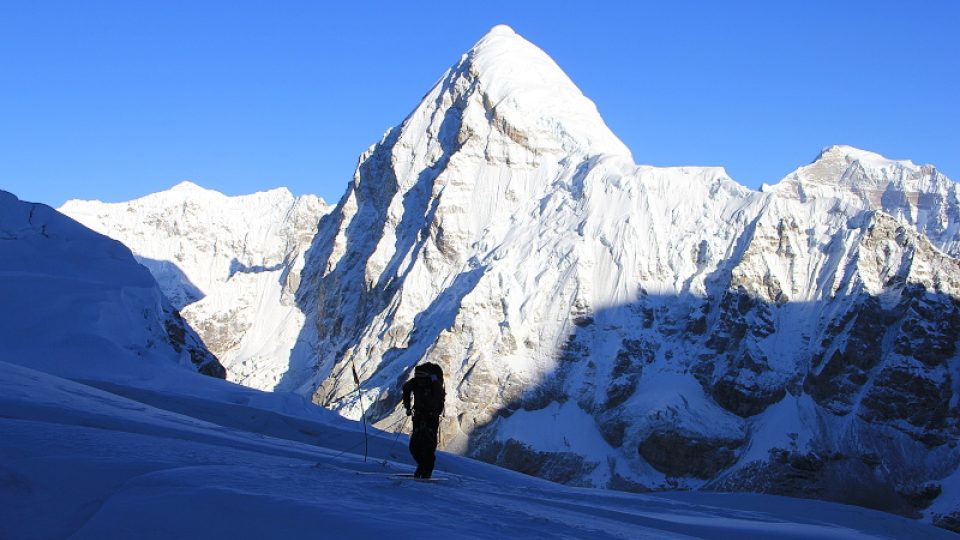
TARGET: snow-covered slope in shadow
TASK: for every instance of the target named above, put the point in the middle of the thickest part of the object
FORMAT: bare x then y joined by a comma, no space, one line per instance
75,302
189,457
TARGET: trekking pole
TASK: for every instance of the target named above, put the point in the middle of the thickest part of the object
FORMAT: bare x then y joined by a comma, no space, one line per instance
363,415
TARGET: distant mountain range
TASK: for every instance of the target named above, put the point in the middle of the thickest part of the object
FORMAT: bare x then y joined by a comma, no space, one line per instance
231,265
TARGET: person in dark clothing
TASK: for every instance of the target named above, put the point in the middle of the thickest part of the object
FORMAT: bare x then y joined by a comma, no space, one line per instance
426,389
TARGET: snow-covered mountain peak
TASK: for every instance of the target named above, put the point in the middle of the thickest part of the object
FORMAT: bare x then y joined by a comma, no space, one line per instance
504,29
838,158
189,191
182,192
508,102
918,195
521,80
188,186
848,152
848,168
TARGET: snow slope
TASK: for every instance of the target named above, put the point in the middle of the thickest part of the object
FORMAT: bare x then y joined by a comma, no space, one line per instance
74,301
182,456
231,264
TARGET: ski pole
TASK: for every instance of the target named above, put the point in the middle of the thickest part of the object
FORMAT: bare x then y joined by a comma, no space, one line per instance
363,415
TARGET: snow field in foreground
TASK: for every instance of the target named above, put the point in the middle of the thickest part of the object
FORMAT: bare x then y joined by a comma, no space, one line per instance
190,457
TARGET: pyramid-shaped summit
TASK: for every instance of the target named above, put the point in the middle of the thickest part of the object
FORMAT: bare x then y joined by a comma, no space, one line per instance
505,92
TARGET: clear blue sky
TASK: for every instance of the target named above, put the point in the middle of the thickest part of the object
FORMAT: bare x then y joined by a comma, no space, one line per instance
114,100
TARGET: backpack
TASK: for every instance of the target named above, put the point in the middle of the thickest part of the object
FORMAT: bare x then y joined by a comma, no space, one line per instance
428,393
